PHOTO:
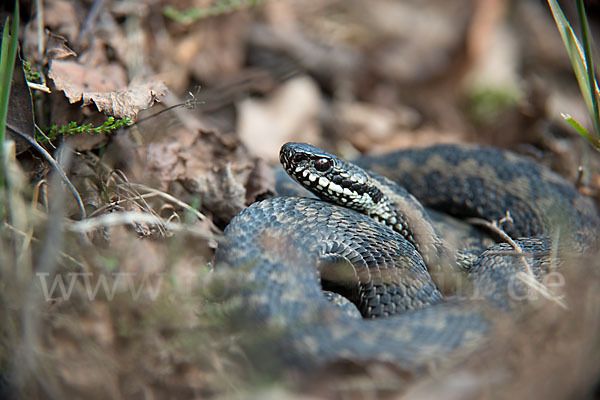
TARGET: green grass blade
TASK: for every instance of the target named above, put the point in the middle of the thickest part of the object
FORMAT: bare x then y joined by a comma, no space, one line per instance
7,65
589,59
582,131
5,79
576,54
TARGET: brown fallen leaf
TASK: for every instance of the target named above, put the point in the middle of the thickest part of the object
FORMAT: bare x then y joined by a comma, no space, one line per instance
61,16
221,191
76,79
367,124
261,182
56,47
128,102
290,113
53,46
102,86
213,170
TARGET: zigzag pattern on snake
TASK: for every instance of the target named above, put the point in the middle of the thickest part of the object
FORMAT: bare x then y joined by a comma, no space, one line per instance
381,259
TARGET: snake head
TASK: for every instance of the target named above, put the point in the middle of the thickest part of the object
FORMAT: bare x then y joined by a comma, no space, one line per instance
326,175
299,157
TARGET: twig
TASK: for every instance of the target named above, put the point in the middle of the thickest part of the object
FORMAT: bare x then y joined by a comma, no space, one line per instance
90,20
543,290
580,175
40,27
134,193
526,277
123,183
172,199
37,86
494,226
135,217
514,253
55,165
41,132
189,103
34,239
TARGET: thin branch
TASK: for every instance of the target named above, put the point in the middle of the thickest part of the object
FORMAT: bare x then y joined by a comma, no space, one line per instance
55,165
32,238
494,226
37,86
123,183
178,202
190,103
526,277
135,217
40,27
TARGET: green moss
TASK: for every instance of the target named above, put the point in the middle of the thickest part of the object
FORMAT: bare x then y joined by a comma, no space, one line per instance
484,103
72,128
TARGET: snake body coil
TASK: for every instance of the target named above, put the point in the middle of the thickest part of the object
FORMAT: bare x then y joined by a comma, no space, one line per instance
378,248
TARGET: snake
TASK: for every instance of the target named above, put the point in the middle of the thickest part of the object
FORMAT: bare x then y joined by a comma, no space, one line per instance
362,272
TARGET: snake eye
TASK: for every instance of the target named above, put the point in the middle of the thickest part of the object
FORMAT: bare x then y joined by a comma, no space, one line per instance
322,164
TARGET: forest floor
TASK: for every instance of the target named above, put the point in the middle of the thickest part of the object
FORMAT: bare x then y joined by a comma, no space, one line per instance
212,90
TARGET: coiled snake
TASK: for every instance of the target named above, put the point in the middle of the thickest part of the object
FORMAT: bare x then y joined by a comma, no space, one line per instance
372,244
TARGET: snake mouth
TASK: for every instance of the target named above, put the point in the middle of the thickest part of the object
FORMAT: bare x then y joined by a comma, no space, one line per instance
285,155
297,159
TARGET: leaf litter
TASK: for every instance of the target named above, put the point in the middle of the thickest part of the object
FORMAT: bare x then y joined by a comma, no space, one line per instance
347,76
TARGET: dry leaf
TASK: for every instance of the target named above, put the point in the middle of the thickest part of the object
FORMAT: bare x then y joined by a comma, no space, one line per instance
164,163
61,16
212,169
75,79
127,103
220,191
56,47
290,114
261,182
103,87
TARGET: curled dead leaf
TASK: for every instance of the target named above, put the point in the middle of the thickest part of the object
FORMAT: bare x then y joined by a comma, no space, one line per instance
290,113
56,47
103,87
210,170
128,102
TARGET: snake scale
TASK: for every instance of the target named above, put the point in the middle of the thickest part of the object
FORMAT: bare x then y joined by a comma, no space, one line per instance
375,252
